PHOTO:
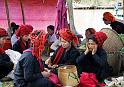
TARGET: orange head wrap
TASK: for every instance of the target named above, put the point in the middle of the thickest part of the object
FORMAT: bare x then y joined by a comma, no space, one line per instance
69,36
109,17
23,30
38,45
99,38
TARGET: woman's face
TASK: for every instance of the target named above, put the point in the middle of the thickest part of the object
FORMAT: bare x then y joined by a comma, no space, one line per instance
64,43
87,34
106,22
91,44
2,40
26,37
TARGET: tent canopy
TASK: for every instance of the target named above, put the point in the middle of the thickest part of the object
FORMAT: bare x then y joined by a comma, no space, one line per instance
38,13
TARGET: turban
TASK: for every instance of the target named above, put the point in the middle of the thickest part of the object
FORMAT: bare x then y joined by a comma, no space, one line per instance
38,44
108,17
3,32
69,36
100,38
38,47
23,30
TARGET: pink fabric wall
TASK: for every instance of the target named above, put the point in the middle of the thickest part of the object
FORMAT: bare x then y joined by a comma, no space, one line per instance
38,13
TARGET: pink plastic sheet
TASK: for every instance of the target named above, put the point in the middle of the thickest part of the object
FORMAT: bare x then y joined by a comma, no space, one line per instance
38,13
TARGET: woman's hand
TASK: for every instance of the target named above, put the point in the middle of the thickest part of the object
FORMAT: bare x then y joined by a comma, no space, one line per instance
94,49
48,61
47,70
87,49
52,66
45,74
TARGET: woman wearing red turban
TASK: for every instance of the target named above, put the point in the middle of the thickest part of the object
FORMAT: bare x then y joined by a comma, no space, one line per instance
94,59
67,52
6,65
23,34
108,18
30,71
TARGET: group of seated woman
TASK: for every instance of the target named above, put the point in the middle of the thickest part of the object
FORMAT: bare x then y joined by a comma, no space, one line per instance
31,71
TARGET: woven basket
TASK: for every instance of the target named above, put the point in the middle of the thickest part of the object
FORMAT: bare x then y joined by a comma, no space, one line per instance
113,45
68,75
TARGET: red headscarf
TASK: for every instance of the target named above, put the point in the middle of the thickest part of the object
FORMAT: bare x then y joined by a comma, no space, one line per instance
24,30
38,47
3,32
109,17
69,36
100,38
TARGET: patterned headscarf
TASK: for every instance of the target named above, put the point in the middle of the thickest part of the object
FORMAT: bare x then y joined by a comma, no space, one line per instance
100,38
3,32
109,17
38,47
24,30
69,36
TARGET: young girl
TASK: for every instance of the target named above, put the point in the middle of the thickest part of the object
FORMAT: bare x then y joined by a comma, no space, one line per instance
67,52
23,42
94,59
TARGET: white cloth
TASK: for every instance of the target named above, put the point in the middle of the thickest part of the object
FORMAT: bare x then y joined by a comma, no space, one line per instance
13,39
52,38
14,55
56,44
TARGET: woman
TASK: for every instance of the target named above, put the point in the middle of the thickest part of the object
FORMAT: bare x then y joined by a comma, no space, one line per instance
67,52
6,66
88,32
108,18
23,43
94,59
30,71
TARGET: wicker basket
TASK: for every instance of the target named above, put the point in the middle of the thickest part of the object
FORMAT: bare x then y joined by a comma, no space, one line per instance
68,75
113,45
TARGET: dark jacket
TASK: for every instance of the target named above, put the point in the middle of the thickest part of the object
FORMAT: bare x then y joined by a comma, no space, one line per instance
118,27
28,72
6,65
18,46
68,57
96,63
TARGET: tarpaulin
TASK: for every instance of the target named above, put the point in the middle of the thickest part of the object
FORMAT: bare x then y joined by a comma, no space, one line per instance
38,13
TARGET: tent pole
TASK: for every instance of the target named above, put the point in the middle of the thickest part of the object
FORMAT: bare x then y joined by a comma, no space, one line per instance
123,10
23,16
8,17
70,13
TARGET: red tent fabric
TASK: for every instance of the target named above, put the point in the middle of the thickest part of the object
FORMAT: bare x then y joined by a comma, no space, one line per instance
38,13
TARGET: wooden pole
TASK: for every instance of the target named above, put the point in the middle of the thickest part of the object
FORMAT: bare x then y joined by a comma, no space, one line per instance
123,10
23,16
8,18
70,13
